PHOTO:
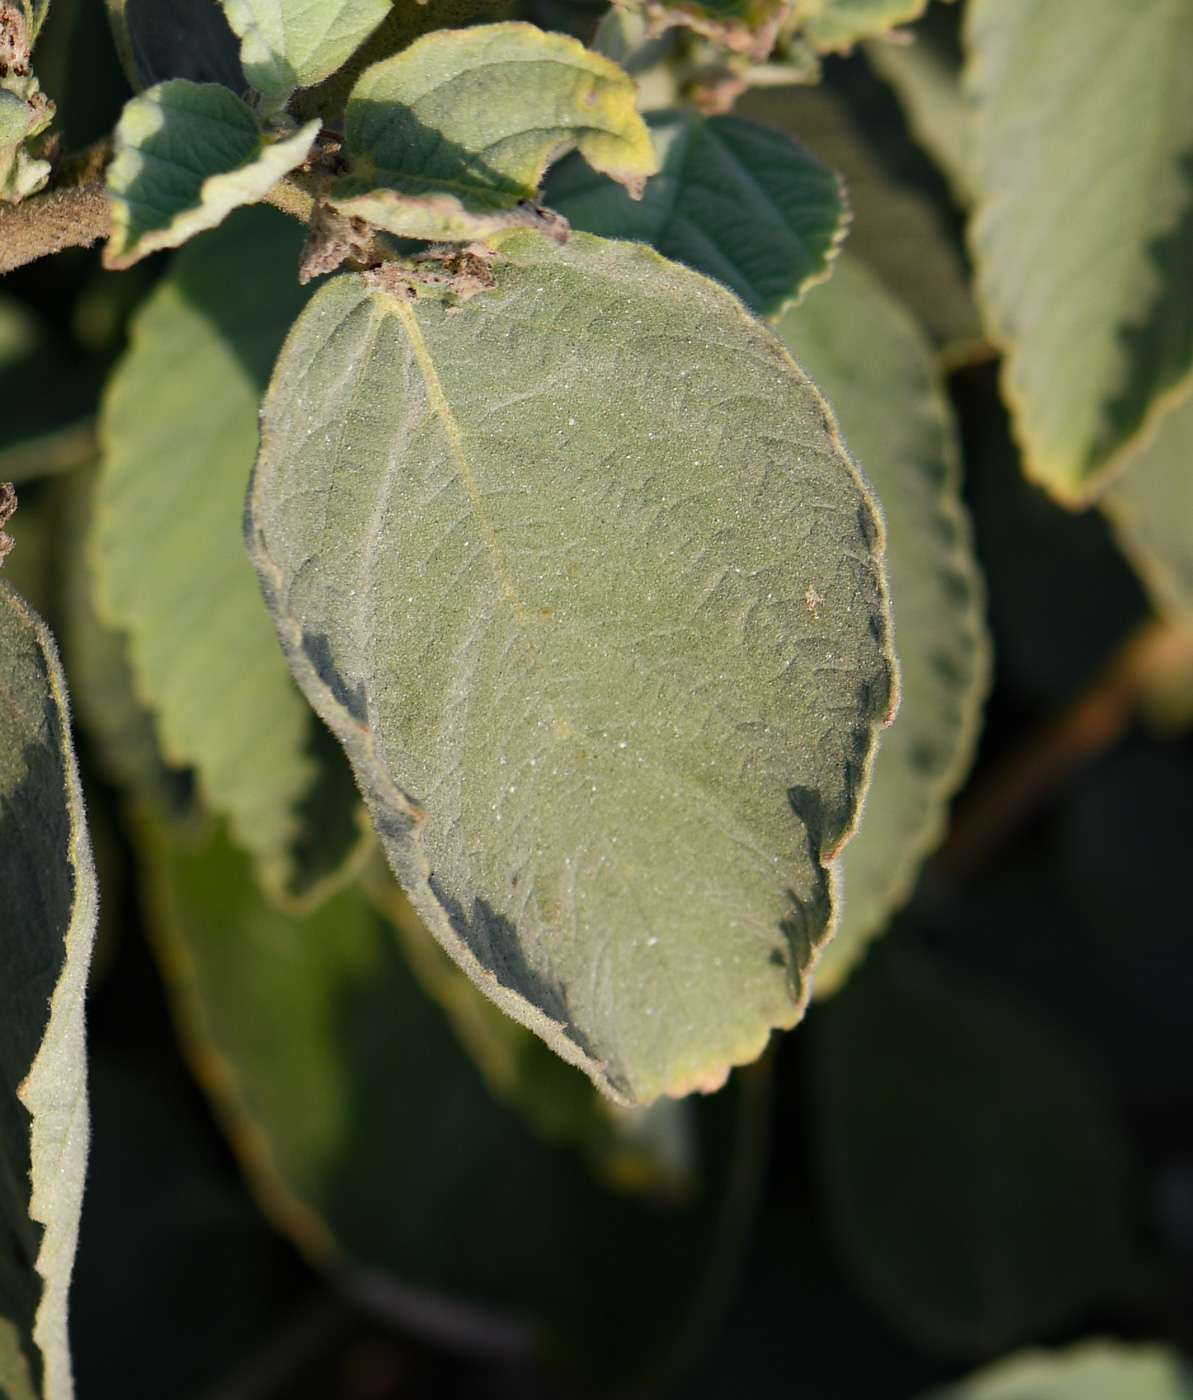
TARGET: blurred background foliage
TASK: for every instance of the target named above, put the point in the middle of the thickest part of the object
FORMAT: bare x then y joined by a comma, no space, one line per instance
1029,1011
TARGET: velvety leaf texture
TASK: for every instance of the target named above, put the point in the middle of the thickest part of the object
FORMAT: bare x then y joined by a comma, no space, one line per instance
1088,1371
737,201
187,154
369,1136
1151,505
1083,234
451,136
295,43
582,578
46,931
178,433
877,370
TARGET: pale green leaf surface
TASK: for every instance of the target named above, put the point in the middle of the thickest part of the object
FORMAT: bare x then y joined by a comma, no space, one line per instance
368,1133
973,1177
46,931
295,43
737,201
184,39
186,155
1151,505
178,432
876,369
543,562
838,24
1094,1370
1083,231
450,138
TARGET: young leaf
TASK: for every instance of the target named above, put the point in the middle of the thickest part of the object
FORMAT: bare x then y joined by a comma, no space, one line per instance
1151,505
972,1176
732,199
184,39
369,1137
46,931
1083,150
25,111
451,137
187,154
839,24
603,631
178,432
295,43
1087,1371
873,364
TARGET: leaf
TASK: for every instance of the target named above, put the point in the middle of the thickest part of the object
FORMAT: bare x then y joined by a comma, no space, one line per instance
294,43
369,1136
838,24
872,362
187,154
972,1177
1093,1370
564,636
894,230
734,200
178,431
184,39
46,399
1151,506
450,138
1083,159
748,27
25,111
50,905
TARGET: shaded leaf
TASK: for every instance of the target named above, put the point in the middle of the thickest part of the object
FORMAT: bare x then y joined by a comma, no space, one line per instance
46,932
839,24
293,43
872,362
369,1136
187,154
47,404
972,1177
184,39
737,201
1083,161
451,137
565,638
1151,506
178,432
1088,1371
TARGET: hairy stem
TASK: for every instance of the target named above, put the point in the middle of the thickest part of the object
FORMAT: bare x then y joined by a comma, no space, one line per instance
73,213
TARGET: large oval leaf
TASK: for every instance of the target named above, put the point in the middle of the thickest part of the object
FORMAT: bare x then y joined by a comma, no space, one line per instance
286,44
185,39
370,1138
1083,153
179,431
877,370
735,200
47,924
584,581
1088,1371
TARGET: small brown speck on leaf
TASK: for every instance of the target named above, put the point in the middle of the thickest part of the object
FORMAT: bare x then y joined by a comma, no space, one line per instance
812,601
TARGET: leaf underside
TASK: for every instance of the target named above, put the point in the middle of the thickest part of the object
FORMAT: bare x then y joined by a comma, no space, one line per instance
187,154
46,932
1083,163
453,134
876,369
737,201
544,564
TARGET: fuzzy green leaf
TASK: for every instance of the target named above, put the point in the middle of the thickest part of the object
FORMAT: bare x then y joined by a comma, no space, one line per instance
545,563
187,154
178,432
973,1177
839,24
1083,152
369,1136
184,39
875,367
737,201
46,930
450,138
1151,505
1088,1371
295,43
